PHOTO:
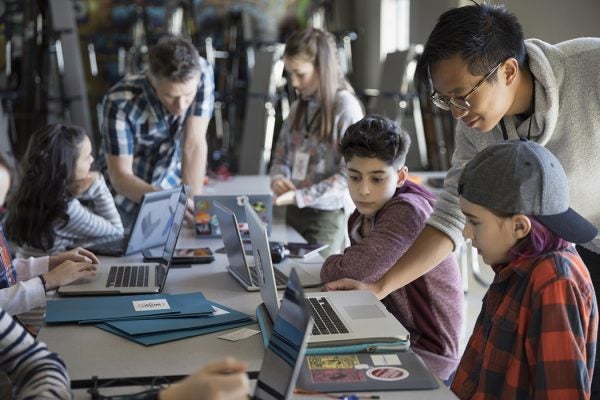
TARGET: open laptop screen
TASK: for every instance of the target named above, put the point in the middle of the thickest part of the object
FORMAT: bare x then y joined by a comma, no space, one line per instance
175,223
232,239
262,259
153,220
285,352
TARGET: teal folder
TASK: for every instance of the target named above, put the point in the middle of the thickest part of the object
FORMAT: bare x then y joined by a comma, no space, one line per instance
107,308
167,324
149,332
164,337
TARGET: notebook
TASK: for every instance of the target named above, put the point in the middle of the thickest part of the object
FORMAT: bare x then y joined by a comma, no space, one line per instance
150,228
207,223
342,318
287,344
241,268
131,278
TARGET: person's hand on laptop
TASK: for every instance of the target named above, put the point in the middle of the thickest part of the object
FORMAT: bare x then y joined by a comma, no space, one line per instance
225,379
351,284
68,272
78,254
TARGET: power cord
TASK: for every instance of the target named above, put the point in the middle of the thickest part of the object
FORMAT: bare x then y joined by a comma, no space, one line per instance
156,385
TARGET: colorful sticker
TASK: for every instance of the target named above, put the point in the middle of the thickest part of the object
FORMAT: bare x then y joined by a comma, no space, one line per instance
337,375
332,362
202,205
259,207
387,373
202,217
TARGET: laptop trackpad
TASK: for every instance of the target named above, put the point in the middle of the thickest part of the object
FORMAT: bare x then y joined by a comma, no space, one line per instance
364,312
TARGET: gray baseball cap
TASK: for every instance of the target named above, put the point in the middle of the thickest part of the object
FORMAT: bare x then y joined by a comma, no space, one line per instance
522,177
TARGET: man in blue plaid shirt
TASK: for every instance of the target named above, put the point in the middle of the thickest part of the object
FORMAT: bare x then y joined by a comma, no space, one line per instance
153,128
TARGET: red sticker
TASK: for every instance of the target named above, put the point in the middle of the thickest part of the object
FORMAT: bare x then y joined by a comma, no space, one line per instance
337,375
387,373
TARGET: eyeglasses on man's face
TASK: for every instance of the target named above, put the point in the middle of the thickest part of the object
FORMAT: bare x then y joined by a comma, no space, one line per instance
461,102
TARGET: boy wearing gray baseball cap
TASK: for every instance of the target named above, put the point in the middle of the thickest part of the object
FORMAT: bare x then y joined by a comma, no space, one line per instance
536,334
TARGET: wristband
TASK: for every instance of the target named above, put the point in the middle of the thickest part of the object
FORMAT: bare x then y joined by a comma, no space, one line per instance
41,276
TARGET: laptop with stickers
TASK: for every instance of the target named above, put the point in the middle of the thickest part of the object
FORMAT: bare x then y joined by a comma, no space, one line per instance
135,278
342,318
285,351
207,224
365,372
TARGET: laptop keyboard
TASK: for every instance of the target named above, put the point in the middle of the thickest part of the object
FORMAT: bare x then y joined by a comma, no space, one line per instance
280,277
326,320
128,276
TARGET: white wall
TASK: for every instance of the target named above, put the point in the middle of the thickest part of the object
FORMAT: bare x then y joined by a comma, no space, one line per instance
557,20
550,20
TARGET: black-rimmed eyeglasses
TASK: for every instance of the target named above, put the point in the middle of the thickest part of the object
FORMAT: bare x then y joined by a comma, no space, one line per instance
461,102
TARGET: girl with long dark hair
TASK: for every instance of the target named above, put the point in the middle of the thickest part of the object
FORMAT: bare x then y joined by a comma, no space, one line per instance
59,201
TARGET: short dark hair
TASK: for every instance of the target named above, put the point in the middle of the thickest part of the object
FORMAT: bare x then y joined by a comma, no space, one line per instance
175,59
482,34
376,137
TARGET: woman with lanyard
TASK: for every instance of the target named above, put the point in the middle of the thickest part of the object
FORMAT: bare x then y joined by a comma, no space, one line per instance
307,172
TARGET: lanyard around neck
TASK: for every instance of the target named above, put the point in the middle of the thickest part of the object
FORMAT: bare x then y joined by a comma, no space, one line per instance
308,124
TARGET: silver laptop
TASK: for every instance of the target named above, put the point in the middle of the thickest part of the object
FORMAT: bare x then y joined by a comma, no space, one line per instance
206,223
150,228
325,373
285,351
133,278
342,318
242,268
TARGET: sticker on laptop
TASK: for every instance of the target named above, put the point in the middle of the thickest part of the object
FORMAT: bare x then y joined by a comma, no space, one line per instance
387,373
151,305
332,361
385,359
337,375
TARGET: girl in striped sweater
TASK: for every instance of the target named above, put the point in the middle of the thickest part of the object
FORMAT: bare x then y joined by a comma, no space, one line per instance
59,202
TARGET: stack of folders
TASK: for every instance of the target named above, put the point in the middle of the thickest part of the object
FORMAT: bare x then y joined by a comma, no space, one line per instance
148,319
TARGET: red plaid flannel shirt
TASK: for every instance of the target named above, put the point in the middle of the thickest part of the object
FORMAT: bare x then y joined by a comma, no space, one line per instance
536,334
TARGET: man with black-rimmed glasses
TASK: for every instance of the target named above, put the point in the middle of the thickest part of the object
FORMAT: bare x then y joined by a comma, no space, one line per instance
498,86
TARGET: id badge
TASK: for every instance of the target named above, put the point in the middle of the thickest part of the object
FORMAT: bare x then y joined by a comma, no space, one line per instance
300,166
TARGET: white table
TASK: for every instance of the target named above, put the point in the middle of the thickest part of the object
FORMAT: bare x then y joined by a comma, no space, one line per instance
89,351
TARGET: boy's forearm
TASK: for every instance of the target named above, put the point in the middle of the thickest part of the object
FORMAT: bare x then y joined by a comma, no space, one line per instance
431,248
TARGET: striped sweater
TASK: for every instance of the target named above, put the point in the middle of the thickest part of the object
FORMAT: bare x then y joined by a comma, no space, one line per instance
35,372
